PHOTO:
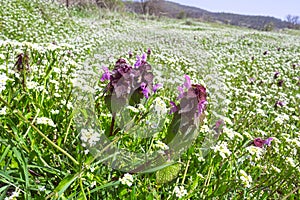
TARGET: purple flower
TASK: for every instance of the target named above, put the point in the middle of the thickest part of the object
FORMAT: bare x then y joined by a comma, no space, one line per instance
276,75
201,106
145,90
218,126
105,75
130,54
174,107
149,51
260,142
279,103
252,80
144,57
138,62
181,92
156,87
268,141
187,84
280,83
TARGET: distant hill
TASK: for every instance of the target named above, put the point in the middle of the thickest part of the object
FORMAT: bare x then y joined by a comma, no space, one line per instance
175,10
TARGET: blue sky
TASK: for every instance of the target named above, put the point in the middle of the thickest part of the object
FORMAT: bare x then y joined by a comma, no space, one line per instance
275,8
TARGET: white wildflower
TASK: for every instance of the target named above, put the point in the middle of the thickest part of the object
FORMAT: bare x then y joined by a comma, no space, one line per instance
14,195
246,179
221,147
42,188
54,112
3,111
93,184
133,109
290,161
160,106
180,191
3,79
45,121
161,145
127,179
31,85
276,169
90,136
255,151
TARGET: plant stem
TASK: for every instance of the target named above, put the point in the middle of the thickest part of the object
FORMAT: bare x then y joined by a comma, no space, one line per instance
18,113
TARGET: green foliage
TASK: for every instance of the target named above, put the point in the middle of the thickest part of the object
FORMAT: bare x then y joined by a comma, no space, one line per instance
41,151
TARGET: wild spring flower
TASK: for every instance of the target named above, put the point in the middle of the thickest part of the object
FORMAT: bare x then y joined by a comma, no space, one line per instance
180,191
3,79
45,121
260,142
3,111
189,114
89,136
127,179
246,179
126,81
222,149
160,145
14,195
160,106
255,151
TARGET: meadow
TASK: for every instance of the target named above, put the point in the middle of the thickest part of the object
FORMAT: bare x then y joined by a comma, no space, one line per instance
65,134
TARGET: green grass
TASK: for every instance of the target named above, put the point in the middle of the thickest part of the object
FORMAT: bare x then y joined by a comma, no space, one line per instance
63,53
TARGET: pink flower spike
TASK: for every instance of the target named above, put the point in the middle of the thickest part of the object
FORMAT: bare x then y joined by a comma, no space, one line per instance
105,75
144,57
174,107
181,91
138,62
187,84
258,142
145,90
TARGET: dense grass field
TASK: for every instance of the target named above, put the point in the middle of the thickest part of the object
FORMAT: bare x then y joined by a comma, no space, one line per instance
66,132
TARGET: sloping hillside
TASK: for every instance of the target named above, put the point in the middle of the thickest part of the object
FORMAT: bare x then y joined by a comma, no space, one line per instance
175,10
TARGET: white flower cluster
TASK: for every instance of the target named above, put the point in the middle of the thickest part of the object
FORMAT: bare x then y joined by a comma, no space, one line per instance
89,136
3,111
127,179
222,149
3,79
180,191
160,106
255,151
45,121
245,178
14,195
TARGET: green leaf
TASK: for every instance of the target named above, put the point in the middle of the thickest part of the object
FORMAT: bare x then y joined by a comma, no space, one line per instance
167,174
64,184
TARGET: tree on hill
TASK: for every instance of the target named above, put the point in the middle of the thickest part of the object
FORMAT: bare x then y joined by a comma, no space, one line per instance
294,21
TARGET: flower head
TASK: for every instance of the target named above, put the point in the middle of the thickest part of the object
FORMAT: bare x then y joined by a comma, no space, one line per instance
145,90
246,179
144,57
174,107
127,179
180,191
105,75
276,75
156,87
138,62
260,142
187,84
130,54
149,51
